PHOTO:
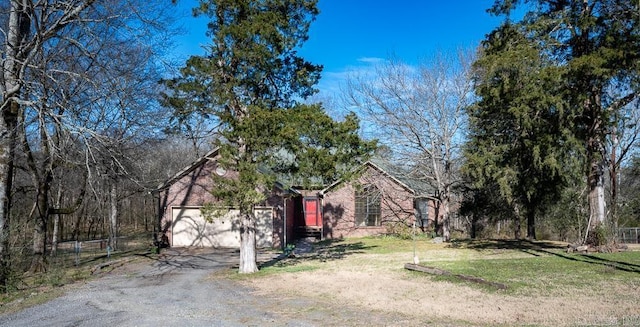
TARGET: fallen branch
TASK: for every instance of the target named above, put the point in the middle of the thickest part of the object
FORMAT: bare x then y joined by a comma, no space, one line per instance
113,264
442,272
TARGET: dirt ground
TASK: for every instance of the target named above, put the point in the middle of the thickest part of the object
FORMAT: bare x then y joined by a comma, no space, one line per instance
362,281
185,287
348,288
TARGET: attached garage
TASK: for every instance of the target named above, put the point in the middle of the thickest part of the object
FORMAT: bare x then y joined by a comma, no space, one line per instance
190,228
180,221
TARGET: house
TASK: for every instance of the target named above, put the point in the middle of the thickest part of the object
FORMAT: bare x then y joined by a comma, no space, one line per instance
373,202
182,222
370,203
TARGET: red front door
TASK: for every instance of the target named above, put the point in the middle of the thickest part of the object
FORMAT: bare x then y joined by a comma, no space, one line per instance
312,212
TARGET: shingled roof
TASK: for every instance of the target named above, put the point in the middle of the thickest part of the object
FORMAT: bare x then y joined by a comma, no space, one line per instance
416,187
186,170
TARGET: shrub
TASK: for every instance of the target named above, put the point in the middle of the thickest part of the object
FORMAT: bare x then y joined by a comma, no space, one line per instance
598,236
400,230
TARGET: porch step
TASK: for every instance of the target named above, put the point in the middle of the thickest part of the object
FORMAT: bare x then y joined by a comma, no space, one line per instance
309,231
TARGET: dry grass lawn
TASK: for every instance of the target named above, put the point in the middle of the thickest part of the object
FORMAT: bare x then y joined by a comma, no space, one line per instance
547,287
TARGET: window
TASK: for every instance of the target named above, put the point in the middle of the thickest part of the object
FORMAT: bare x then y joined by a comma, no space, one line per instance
368,206
422,212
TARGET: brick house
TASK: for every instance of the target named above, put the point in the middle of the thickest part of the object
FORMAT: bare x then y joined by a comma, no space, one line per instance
373,202
368,204
181,221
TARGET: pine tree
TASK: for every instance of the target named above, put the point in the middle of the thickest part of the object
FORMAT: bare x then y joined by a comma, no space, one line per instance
250,84
518,140
591,46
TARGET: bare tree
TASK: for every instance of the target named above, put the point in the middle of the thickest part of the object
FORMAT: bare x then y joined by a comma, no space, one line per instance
30,26
622,142
419,113
74,72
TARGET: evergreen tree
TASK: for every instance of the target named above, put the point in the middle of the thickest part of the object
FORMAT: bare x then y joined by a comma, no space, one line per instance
591,48
518,141
250,84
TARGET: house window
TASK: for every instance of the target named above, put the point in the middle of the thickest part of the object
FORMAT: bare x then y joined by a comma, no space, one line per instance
368,206
422,212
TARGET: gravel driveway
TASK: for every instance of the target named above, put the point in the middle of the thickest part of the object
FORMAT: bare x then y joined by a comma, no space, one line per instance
178,290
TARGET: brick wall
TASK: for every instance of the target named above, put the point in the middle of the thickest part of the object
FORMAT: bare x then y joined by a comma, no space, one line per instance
339,206
193,190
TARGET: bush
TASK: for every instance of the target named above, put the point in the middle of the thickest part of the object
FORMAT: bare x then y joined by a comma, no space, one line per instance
400,230
598,236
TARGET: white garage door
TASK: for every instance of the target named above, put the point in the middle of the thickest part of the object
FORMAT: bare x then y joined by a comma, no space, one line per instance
191,229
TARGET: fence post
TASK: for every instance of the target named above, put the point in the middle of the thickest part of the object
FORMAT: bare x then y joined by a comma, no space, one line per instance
77,248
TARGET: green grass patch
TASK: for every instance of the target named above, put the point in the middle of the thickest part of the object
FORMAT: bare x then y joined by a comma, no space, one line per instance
390,244
289,268
545,270
283,267
541,268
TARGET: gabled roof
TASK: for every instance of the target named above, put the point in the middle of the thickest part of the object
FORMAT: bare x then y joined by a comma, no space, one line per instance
414,187
420,187
208,156
188,169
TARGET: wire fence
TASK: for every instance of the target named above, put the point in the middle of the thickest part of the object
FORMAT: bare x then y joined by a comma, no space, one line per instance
75,253
629,235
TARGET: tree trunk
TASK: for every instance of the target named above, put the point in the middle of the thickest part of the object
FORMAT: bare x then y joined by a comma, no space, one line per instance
474,226
248,257
38,262
597,213
596,157
113,216
517,227
596,204
7,150
55,236
78,223
446,232
144,213
56,225
596,195
18,30
531,224
437,222
613,173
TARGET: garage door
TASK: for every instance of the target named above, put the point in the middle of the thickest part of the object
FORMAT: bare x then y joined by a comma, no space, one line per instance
191,229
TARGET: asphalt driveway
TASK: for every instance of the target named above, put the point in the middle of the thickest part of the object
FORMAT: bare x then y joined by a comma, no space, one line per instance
178,290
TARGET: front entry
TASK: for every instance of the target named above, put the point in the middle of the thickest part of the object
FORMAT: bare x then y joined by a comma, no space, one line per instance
312,215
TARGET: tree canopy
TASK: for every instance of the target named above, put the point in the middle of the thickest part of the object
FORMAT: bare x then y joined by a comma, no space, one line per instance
551,87
251,84
419,114
519,141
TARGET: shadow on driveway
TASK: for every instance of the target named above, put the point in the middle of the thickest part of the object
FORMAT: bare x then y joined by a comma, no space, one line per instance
205,259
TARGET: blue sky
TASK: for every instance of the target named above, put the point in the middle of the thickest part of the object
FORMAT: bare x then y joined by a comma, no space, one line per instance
355,34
